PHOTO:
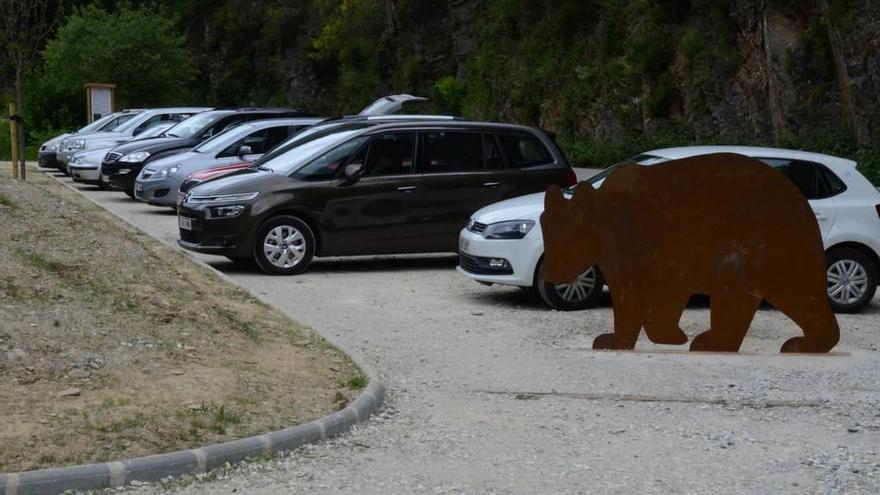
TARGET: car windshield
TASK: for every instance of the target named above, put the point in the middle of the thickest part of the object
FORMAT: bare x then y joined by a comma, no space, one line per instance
191,126
134,122
295,152
155,130
94,126
221,141
289,157
113,124
597,179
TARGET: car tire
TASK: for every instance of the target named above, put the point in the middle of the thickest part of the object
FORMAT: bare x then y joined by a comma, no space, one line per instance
851,279
295,241
571,297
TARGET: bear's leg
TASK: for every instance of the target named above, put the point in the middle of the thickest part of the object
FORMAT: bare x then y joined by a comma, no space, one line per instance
663,314
731,313
627,320
814,316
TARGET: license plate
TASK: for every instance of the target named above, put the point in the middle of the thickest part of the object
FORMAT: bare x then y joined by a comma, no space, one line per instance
138,190
185,223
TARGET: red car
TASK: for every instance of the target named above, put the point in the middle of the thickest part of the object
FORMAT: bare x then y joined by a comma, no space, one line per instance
197,178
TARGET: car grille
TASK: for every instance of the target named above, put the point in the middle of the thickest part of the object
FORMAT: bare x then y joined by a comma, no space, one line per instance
112,156
477,227
480,266
189,236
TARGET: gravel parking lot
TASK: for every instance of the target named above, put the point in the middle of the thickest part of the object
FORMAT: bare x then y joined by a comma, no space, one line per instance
489,392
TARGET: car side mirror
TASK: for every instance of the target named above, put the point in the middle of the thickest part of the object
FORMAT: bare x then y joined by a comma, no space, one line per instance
353,172
244,150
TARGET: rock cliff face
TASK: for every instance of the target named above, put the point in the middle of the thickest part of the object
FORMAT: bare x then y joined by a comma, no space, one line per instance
746,71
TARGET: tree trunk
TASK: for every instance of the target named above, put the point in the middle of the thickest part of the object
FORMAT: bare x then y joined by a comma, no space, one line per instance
20,108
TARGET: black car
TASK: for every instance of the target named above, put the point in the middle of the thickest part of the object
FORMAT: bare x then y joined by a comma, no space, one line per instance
123,163
367,187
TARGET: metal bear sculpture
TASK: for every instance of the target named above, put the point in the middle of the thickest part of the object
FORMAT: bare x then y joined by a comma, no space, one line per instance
723,225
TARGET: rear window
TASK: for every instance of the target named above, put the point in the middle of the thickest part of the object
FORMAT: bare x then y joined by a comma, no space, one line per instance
525,151
814,180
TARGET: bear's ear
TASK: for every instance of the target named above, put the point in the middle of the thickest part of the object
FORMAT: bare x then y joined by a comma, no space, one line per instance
553,198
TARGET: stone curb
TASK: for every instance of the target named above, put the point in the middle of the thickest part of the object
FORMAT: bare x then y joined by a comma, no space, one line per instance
195,461
200,460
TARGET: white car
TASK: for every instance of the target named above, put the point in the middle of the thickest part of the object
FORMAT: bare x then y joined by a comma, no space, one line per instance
503,243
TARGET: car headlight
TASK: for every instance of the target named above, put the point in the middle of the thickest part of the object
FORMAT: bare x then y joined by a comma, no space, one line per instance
168,172
76,159
135,157
221,198
225,211
513,229
75,144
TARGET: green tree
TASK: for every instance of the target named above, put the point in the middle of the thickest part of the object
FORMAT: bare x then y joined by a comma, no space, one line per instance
137,48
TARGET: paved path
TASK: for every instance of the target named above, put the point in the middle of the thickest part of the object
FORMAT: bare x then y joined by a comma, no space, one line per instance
489,392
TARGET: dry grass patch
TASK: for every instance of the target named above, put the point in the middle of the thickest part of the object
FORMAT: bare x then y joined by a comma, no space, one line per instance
112,345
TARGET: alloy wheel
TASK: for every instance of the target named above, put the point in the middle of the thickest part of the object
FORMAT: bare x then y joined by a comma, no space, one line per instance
847,281
580,289
284,246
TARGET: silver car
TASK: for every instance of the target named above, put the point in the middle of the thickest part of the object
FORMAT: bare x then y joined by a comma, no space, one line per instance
85,166
159,182
125,132
48,154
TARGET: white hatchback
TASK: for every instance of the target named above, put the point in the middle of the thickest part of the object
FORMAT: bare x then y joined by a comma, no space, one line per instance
503,243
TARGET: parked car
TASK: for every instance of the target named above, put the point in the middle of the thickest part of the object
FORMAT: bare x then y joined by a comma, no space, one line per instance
85,166
125,132
122,165
374,185
196,178
47,155
847,207
158,183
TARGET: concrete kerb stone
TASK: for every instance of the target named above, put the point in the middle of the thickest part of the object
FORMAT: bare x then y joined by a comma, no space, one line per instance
201,460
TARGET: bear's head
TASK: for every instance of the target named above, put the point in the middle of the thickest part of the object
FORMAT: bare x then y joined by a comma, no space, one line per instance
568,233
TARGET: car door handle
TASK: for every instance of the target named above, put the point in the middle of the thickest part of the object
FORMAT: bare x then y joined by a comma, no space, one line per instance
491,184
407,188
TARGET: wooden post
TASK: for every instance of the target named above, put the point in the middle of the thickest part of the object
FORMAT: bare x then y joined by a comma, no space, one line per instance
13,137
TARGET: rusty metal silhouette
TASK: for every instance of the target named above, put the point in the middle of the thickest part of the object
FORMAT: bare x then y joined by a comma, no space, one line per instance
723,225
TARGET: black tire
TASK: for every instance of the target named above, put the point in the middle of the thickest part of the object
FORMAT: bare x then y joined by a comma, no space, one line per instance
578,299
306,241
852,279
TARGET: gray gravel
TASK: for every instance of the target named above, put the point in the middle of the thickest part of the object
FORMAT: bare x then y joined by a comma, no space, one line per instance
489,392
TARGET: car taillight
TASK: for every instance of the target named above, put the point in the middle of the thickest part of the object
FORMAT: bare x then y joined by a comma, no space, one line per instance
571,179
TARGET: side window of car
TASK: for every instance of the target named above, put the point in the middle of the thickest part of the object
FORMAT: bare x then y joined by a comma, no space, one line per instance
256,140
453,152
222,125
150,122
492,153
814,180
276,135
325,166
525,151
389,154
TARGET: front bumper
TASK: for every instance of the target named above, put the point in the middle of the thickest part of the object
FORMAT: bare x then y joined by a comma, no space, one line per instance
159,192
121,175
48,159
522,257
88,174
222,236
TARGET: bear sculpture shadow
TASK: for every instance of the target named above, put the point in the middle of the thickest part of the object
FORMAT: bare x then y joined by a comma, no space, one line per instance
723,225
